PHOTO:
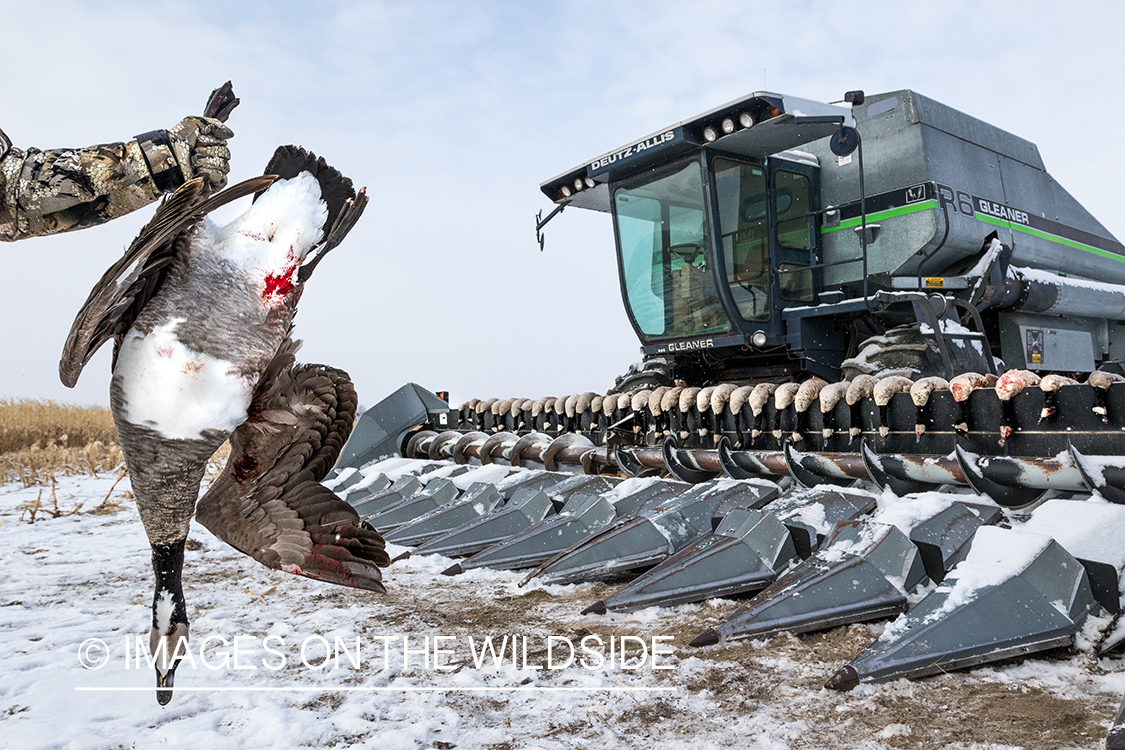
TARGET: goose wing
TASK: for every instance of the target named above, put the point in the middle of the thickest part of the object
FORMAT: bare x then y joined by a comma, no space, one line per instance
128,285
269,503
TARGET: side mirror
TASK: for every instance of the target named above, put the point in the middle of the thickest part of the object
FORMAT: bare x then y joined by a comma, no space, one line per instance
844,141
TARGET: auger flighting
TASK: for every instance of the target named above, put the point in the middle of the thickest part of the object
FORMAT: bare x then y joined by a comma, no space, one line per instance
916,420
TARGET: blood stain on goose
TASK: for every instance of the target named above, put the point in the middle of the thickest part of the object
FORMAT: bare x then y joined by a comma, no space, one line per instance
278,285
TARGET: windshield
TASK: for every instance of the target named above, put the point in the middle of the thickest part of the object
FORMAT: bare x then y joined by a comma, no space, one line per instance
744,223
665,256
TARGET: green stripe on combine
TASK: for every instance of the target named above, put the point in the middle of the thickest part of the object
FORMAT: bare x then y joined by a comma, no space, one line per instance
890,213
1049,237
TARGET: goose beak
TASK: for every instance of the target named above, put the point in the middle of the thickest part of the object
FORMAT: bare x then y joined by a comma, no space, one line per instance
164,686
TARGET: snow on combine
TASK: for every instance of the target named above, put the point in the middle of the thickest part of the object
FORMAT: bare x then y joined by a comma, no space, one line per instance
886,291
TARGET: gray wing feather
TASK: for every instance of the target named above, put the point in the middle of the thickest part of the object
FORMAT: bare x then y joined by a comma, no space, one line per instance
269,503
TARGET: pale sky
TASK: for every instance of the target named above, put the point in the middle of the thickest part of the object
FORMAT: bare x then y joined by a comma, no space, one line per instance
453,113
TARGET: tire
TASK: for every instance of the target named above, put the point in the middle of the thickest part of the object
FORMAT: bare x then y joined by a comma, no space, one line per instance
652,373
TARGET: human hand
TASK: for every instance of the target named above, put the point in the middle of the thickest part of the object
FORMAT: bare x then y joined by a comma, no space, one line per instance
200,144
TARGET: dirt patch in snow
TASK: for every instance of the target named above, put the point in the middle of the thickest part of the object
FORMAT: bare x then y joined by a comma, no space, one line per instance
948,711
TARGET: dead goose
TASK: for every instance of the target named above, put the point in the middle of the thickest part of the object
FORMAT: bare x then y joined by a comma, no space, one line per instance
703,407
759,398
570,409
720,397
596,416
639,406
609,404
806,395
862,387
782,399
624,404
739,398
200,316
585,411
539,413
550,419
656,412
687,403
484,414
500,412
467,410
669,402
559,410
525,408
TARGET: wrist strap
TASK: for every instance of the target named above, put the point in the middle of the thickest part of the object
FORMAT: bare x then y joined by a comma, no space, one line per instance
167,174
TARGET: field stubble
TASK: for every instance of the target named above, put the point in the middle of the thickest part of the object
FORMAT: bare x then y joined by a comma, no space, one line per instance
40,440
43,440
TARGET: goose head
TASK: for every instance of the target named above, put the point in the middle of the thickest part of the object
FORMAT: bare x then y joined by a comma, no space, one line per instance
168,639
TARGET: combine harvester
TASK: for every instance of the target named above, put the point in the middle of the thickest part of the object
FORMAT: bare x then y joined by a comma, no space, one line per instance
886,291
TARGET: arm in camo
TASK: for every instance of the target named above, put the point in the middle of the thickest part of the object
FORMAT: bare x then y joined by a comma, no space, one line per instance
47,192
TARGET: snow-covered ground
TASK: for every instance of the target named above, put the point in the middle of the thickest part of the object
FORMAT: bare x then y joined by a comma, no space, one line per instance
65,581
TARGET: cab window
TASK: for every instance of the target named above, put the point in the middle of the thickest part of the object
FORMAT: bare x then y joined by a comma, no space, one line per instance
665,250
794,231
744,223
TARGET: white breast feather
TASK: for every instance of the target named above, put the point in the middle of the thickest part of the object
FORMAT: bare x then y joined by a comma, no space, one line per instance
277,230
177,391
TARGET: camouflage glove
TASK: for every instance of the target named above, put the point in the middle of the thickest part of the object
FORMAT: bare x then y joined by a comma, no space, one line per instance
207,140
195,147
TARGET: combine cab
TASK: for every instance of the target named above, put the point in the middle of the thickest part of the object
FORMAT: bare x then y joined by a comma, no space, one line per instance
887,292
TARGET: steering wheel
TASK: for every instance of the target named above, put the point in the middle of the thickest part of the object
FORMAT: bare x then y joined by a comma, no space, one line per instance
689,252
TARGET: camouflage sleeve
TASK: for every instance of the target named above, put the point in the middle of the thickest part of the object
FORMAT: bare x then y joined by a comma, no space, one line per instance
46,192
